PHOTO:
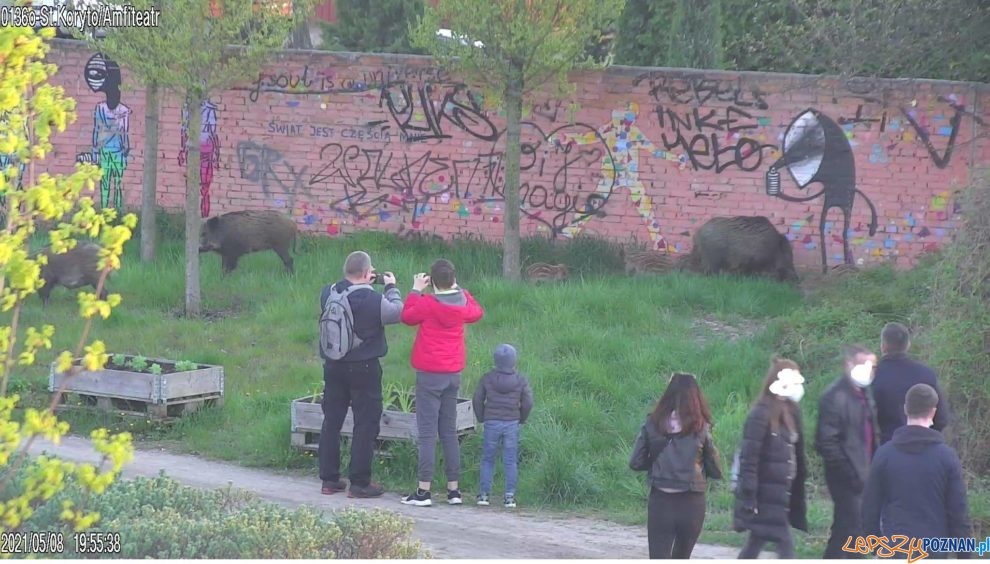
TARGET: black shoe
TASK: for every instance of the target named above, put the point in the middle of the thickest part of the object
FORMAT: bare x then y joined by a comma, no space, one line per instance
330,488
371,490
421,498
454,497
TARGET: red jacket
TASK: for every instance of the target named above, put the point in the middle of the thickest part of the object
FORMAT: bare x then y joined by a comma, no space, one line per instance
439,344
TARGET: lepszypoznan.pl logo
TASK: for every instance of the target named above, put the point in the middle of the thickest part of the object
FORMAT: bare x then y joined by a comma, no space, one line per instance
914,548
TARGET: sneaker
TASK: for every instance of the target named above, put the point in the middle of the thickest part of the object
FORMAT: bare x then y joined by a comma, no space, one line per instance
454,497
371,490
420,499
483,500
510,501
330,488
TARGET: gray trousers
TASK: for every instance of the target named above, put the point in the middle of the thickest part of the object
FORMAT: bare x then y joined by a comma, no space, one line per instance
436,415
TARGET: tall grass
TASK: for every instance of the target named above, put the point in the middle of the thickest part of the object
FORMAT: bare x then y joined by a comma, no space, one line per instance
597,349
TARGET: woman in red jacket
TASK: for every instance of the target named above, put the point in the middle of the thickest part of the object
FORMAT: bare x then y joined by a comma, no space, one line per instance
438,358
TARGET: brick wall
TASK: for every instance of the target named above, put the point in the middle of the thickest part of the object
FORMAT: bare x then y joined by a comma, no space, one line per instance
346,142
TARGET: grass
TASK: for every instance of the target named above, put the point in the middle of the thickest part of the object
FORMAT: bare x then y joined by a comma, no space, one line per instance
598,350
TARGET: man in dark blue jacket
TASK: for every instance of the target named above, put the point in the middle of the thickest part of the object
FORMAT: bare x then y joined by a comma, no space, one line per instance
355,380
896,373
916,486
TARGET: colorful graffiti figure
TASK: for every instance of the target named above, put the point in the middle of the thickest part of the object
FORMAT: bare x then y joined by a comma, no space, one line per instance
816,150
209,151
8,160
625,140
111,121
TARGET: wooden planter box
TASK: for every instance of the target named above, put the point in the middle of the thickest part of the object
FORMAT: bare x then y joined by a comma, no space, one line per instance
157,396
307,422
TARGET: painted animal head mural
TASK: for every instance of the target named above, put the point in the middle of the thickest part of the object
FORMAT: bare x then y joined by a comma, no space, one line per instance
815,149
103,75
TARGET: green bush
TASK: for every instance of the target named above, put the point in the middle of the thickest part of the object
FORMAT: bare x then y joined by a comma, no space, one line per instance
160,518
960,327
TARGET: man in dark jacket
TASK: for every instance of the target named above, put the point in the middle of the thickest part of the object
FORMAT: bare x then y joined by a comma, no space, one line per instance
895,375
502,402
355,380
846,439
916,485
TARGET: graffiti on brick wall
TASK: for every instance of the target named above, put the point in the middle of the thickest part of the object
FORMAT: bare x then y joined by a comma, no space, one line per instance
409,146
369,183
266,167
698,91
706,138
387,184
416,113
326,81
209,151
111,123
816,150
935,126
620,166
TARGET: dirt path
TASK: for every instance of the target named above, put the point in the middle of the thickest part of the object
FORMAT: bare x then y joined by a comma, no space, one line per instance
448,532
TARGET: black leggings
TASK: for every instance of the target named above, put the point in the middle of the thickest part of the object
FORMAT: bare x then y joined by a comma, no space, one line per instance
674,521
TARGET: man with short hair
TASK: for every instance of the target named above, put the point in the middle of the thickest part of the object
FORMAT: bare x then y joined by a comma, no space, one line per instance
846,439
895,375
438,357
355,380
916,485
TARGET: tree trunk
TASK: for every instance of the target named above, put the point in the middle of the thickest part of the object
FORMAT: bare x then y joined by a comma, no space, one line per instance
513,115
300,38
150,181
194,105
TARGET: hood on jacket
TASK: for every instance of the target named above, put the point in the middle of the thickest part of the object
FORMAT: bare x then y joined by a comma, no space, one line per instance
915,439
450,311
505,358
505,382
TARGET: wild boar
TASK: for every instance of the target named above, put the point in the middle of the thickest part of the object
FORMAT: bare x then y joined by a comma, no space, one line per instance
742,245
75,268
543,272
235,234
645,262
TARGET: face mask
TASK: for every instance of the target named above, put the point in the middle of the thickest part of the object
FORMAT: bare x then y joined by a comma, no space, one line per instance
789,385
862,374
796,393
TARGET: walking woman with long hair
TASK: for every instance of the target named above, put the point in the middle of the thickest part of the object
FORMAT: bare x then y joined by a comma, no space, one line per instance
770,495
675,445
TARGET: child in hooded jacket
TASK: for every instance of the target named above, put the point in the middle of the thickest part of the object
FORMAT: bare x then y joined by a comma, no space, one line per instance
503,402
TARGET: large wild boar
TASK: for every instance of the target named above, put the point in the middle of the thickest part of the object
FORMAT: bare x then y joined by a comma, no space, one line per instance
235,234
742,245
75,268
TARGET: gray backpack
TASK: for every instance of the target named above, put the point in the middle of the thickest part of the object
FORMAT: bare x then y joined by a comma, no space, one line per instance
337,337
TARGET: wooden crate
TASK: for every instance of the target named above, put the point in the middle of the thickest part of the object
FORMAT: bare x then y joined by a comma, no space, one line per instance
307,422
157,396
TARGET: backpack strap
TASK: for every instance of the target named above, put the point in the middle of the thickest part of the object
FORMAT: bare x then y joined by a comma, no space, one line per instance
345,293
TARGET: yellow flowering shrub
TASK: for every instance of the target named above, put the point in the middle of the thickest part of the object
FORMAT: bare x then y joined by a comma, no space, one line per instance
32,110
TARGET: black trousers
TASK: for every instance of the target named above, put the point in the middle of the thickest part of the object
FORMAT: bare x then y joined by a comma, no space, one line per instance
357,385
847,519
673,523
754,545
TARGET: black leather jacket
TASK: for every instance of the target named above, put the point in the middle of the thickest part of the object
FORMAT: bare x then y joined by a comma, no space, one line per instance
840,435
679,462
